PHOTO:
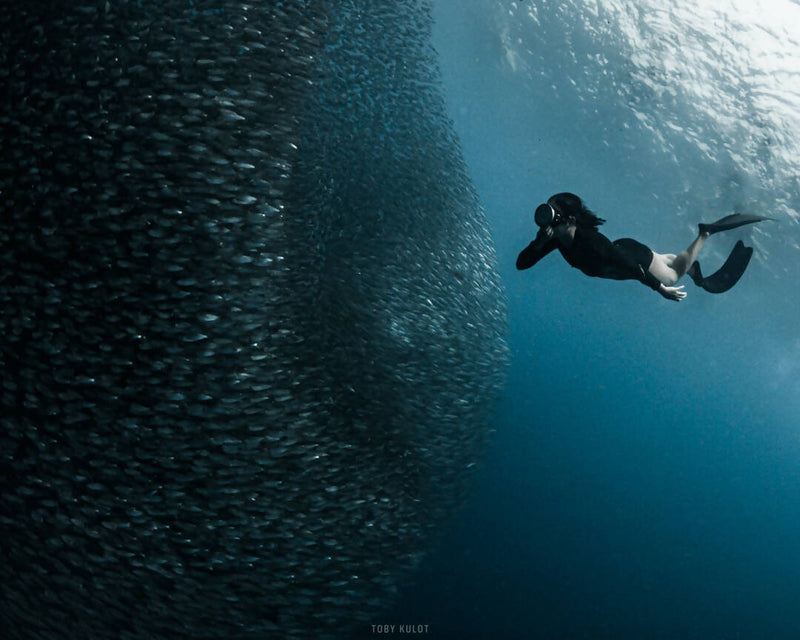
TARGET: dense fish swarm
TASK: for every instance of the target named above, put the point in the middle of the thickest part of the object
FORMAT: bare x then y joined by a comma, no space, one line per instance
249,317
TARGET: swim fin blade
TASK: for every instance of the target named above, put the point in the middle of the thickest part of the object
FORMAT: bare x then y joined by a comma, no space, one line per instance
728,274
730,222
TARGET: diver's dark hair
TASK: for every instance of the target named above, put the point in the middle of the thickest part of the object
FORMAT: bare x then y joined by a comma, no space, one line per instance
570,205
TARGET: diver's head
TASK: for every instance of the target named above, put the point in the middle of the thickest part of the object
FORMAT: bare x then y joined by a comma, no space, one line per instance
547,216
565,208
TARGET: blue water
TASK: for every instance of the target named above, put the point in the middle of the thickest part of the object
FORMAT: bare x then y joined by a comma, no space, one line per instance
643,481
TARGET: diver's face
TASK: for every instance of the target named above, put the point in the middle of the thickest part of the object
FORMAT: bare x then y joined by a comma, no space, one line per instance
563,231
552,223
546,215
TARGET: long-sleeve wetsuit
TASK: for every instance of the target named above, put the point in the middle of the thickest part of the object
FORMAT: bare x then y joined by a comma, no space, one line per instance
596,256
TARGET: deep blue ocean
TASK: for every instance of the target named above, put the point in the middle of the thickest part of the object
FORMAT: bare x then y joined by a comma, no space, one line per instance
643,480
258,290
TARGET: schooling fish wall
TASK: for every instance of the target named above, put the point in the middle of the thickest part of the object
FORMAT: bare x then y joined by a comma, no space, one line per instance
250,324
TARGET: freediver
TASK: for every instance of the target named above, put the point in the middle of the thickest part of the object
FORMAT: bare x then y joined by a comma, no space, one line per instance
567,225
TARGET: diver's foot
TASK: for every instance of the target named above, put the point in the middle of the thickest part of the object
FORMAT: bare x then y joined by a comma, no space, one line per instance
695,274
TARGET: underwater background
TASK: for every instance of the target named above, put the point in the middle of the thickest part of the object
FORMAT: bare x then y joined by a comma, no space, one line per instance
268,369
643,480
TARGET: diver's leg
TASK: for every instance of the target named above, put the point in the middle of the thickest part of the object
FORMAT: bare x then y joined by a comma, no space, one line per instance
685,258
669,268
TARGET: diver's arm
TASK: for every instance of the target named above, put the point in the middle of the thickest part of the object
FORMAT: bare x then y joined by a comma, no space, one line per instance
670,293
543,244
648,279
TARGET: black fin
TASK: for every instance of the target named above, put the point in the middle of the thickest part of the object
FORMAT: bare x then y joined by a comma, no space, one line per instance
730,222
728,274
695,274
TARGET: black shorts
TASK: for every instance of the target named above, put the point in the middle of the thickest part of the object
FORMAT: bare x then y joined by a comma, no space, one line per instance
635,251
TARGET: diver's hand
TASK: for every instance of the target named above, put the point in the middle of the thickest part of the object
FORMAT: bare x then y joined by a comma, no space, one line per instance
672,293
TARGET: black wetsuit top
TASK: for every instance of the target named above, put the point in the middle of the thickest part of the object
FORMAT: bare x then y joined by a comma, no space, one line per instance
596,255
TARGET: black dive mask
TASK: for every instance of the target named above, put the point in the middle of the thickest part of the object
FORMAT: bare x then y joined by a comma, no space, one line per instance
547,216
